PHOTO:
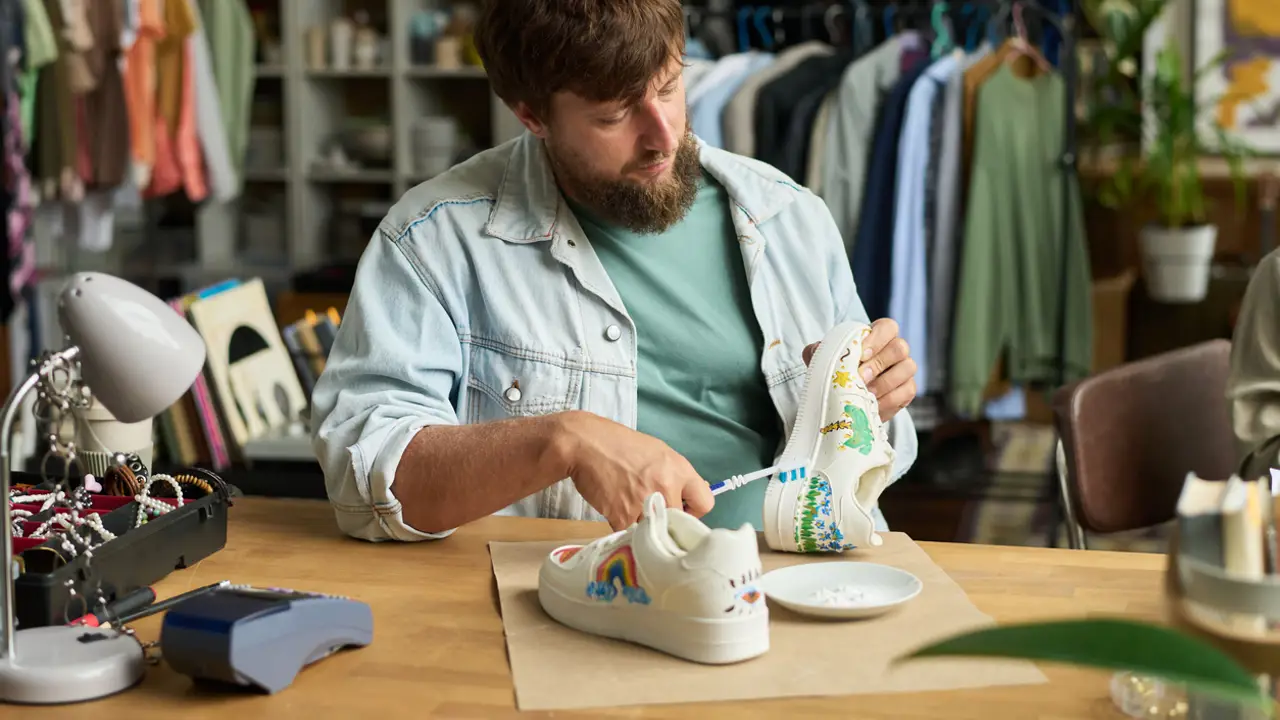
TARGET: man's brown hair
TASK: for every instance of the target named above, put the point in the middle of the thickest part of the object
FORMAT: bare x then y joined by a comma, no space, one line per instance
601,50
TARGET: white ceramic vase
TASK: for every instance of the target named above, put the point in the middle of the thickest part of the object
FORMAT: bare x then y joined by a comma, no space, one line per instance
100,436
1176,262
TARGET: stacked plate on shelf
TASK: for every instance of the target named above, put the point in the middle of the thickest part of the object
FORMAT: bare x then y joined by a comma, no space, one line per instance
435,144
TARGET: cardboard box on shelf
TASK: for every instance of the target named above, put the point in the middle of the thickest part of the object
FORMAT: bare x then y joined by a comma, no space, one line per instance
1111,319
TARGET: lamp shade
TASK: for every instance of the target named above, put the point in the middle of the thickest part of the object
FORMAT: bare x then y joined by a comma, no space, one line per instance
137,355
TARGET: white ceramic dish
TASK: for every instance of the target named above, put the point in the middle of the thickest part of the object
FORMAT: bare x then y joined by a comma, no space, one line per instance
873,589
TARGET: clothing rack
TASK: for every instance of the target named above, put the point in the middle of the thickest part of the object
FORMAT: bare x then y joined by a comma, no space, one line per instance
872,20
862,16
967,22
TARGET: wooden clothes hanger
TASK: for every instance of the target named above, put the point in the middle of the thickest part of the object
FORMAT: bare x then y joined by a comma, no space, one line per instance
1020,47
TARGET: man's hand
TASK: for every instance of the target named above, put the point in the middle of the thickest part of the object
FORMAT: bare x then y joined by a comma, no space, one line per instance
886,368
616,469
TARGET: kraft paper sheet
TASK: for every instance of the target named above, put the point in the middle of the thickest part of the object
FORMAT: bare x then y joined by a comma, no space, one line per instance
558,668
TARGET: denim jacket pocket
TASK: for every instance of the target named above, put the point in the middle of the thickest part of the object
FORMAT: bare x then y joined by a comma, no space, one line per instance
505,383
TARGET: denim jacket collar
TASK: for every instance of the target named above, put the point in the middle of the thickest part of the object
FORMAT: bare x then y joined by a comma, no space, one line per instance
528,200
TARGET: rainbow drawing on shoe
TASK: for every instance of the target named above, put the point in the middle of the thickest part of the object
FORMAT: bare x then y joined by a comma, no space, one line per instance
618,571
841,451
668,582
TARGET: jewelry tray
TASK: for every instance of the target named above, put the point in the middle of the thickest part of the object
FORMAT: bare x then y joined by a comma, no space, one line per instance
136,557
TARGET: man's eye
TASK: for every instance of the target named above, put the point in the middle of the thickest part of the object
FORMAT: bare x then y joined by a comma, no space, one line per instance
612,119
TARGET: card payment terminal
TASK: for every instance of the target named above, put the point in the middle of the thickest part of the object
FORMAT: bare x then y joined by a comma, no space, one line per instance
260,637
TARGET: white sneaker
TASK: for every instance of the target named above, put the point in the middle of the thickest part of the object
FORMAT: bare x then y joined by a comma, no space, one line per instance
668,582
841,454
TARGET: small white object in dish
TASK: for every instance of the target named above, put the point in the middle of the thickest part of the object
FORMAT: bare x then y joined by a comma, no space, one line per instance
847,590
843,596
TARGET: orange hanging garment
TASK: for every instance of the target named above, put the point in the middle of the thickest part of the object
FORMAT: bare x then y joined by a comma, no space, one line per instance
178,162
140,89
187,139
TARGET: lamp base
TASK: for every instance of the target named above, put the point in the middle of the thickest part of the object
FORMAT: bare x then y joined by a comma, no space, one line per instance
52,665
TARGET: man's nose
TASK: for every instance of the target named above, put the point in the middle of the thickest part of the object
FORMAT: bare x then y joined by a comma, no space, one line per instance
659,134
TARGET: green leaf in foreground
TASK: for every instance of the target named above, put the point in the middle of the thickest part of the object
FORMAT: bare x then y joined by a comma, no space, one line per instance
1109,644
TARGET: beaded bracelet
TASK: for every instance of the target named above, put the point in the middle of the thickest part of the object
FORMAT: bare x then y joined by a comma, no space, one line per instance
47,500
149,505
67,522
14,516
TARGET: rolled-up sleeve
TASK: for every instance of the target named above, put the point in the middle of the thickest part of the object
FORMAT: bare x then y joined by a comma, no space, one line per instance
393,370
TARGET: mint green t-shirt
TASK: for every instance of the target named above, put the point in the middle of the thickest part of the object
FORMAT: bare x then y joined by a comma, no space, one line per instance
701,389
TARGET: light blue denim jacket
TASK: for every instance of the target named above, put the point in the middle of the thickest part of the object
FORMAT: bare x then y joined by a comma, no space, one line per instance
479,298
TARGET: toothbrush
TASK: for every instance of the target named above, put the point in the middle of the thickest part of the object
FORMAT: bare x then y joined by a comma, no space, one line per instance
737,481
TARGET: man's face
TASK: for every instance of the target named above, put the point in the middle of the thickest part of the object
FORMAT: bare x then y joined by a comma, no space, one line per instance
635,164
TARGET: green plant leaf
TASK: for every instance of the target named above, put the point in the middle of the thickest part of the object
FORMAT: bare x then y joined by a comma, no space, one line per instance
1175,126
1112,644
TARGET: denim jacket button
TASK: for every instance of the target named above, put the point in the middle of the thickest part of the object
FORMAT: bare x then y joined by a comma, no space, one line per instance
612,333
512,394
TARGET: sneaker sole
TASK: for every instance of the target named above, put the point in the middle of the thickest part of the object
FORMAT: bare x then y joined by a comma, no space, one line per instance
702,640
780,533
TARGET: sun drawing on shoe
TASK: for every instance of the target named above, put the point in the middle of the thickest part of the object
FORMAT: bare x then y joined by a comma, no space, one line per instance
617,573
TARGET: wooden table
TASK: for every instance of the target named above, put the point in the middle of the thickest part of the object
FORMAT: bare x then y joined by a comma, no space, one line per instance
439,651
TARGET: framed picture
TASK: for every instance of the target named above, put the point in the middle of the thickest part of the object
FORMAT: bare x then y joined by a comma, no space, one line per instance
1242,93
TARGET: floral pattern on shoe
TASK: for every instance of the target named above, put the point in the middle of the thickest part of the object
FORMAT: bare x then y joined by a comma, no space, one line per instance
816,529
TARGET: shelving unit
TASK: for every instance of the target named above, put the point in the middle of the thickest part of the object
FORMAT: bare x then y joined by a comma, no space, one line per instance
318,103
289,218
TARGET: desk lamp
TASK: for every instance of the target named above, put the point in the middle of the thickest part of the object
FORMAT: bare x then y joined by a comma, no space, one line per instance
139,356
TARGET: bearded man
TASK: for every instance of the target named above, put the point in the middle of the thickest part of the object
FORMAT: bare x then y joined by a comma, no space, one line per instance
598,310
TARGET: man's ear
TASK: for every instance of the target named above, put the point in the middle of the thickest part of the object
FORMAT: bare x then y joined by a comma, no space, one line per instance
527,118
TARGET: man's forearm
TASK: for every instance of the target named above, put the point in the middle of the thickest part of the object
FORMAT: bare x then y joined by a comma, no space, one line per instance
452,475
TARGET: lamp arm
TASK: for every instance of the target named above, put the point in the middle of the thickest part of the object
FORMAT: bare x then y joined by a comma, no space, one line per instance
11,409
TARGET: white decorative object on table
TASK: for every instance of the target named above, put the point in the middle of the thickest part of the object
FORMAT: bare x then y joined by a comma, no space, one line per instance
102,436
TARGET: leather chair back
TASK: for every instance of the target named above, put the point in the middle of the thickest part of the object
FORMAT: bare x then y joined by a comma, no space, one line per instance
1131,434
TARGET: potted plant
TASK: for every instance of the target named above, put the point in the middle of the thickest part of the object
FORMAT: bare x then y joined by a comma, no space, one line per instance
1176,135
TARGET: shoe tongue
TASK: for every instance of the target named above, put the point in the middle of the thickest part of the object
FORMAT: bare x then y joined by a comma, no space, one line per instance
655,509
659,520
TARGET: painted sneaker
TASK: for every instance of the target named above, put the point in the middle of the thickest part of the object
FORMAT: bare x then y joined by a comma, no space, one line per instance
667,582
840,453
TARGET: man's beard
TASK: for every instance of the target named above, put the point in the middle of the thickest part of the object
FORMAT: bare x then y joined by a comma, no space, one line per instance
648,208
